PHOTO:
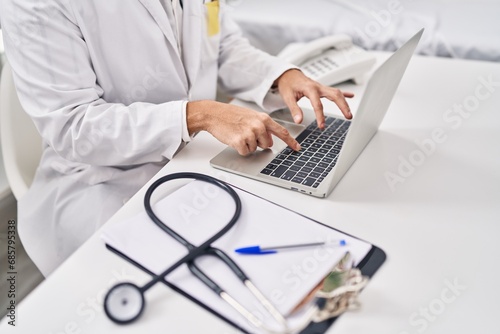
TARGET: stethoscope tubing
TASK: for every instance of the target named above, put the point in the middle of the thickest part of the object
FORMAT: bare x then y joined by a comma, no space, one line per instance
116,296
194,251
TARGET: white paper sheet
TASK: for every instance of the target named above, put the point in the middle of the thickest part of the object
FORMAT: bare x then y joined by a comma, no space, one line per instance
197,211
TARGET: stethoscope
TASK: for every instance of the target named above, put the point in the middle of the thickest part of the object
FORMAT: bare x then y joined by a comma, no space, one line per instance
125,302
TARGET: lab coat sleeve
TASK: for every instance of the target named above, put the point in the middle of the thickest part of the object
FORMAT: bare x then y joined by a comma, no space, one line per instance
58,88
246,72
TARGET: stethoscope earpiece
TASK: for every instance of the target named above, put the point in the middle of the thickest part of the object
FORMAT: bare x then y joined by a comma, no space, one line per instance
124,303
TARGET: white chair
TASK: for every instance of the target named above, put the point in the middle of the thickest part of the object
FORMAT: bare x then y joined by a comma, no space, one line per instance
21,142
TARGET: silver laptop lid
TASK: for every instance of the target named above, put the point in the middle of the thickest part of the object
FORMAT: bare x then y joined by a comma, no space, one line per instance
376,99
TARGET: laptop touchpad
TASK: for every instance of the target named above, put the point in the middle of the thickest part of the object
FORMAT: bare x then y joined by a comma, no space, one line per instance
284,118
294,129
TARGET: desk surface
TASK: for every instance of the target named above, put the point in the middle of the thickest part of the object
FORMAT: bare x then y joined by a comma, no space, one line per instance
438,224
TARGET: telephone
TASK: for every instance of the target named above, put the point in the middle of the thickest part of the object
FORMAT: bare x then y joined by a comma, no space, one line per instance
330,60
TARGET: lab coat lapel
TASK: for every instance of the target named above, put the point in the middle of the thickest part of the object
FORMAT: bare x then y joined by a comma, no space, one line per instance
192,35
156,10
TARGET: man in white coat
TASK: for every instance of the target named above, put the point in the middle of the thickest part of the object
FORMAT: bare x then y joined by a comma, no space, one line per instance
117,87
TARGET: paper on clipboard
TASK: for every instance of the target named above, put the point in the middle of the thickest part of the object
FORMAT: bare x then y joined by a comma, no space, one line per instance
197,211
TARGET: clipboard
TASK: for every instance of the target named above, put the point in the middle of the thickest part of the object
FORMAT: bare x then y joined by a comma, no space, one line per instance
368,265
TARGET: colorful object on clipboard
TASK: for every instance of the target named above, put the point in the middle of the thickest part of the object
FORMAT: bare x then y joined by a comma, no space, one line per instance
258,250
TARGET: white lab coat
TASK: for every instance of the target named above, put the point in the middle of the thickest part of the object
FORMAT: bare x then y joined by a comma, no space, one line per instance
104,83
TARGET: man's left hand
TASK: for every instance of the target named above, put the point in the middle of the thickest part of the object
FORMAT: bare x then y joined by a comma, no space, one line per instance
293,85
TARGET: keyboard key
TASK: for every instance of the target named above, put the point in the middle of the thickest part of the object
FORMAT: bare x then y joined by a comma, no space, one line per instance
315,175
271,166
331,155
327,160
287,163
309,181
329,120
299,163
288,175
304,158
310,164
301,174
323,150
276,161
314,160
281,156
291,158
266,171
316,185
319,170
306,169
295,168
287,151
303,135
323,165
279,171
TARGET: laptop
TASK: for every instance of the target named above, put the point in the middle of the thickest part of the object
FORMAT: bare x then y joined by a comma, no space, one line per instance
327,154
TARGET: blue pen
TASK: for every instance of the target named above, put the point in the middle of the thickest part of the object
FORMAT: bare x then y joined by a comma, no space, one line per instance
257,250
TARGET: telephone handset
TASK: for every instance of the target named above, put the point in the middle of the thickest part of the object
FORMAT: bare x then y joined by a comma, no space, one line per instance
330,60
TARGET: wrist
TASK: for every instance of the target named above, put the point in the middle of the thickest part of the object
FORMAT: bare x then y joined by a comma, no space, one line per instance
283,76
198,115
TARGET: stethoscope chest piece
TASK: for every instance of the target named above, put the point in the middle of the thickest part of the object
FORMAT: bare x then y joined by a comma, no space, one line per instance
124,303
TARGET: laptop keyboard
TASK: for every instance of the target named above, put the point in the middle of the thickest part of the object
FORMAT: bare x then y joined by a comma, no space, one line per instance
317,157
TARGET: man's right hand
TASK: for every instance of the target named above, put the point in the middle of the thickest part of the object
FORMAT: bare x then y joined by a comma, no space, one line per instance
241,128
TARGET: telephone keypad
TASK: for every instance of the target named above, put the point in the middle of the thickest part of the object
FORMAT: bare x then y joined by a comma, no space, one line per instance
319,66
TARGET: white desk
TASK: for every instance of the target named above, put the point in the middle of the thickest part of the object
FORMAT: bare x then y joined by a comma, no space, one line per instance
441,225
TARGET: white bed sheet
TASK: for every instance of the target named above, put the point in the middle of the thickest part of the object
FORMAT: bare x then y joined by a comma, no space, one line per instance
454,28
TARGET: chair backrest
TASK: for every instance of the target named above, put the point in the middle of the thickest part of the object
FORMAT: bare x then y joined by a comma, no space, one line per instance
21,142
